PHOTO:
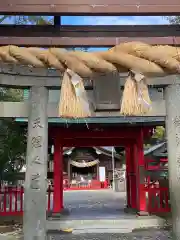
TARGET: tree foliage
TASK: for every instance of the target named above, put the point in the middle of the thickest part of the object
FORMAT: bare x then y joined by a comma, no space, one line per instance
12,140
34,20
3,18
12,149
174,20
159,133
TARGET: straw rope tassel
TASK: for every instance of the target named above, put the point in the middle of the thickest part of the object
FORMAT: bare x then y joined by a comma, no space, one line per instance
135,99
144,99
71,105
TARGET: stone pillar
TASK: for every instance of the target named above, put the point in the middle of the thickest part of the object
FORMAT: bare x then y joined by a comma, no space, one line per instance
35,199
172,97
58,178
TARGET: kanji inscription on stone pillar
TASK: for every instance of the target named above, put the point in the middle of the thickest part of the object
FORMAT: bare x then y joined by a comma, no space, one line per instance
172,97
36,162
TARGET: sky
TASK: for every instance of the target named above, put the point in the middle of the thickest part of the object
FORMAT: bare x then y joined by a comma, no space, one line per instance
107,20
123,20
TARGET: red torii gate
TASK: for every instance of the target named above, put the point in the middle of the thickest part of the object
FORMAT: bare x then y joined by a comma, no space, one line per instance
130,137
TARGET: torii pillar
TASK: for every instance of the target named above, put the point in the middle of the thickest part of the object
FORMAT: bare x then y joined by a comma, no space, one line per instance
35,197
140,174
131,176
128,177
58,177
172,98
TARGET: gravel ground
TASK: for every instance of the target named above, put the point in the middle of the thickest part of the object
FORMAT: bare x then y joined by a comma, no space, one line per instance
137,235
104,204
152,234
10,231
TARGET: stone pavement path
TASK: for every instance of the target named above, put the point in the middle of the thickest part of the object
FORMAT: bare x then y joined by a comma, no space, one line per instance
104,204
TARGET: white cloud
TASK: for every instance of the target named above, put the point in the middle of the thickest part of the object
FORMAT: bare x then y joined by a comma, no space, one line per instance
136,20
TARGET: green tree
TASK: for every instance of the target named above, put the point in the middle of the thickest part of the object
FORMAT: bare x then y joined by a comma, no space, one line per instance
34,20
12,140
12,149
174,20
2,19
159,133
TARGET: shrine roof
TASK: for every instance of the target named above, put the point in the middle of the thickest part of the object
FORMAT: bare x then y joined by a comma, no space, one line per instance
154,148
108,150
101,150
135,120
157,151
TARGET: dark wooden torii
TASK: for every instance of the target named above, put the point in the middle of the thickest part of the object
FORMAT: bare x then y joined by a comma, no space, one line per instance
87,36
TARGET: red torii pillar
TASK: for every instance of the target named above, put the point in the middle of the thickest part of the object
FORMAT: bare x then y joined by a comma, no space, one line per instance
131,179
58,177
140,174
128,177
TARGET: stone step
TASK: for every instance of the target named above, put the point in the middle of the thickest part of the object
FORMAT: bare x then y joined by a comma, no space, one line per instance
108,225
101,230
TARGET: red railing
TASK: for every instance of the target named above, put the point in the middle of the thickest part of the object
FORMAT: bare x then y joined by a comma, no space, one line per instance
157,196
157,199
159,165
12,199
95,184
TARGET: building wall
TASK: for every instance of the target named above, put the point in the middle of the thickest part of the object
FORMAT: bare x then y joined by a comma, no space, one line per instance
105,161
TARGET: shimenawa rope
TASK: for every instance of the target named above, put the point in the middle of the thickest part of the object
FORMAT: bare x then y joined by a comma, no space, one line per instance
148,60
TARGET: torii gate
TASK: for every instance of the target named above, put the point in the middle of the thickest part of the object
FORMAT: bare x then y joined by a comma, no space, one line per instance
38,110
35,213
